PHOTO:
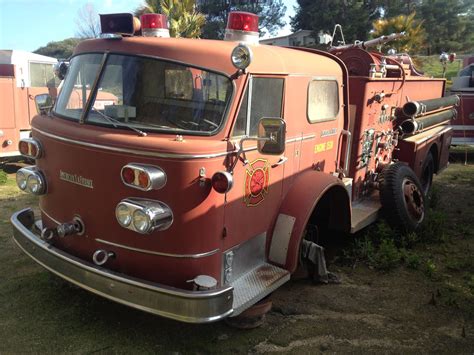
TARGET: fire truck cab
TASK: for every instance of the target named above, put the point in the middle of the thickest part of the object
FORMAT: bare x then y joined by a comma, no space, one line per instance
189,193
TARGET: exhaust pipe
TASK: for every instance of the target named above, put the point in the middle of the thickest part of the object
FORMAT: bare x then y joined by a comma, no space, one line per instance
416,108
412,126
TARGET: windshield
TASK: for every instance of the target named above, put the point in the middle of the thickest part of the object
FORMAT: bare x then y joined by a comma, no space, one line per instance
145,93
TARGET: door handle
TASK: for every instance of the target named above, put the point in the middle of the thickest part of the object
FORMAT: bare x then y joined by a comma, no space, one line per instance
282,161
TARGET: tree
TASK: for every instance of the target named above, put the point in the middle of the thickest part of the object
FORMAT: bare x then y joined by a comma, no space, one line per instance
355,17
414,39
60,49
184,19
87,22
449,25
270,12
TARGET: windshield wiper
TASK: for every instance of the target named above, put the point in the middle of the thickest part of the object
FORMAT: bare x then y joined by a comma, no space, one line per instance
114,121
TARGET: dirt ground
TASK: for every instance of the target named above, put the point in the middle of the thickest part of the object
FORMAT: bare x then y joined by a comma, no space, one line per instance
403,310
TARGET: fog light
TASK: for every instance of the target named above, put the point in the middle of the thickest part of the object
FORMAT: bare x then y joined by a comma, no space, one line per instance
21,179
141,221
123,214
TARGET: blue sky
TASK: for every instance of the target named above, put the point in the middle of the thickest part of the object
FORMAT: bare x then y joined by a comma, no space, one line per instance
30,24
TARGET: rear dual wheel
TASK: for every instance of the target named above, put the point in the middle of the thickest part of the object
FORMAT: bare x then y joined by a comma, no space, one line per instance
402,197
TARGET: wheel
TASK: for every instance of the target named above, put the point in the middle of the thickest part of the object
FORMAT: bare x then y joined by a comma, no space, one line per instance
427,172
402,198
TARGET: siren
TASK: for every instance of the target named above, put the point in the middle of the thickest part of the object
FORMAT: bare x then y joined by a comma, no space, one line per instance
122,24
242,27
154,25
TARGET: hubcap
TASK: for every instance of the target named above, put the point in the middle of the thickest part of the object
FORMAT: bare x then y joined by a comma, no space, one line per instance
413,199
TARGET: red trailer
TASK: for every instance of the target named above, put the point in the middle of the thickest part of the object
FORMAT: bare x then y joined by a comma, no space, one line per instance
191,196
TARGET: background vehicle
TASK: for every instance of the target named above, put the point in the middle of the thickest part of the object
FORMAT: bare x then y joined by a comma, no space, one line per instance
191,193
23,75
463,86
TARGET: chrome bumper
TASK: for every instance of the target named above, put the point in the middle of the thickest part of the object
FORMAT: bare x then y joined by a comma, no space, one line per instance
182,305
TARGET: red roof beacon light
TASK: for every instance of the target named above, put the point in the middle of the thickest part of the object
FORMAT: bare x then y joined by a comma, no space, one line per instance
242,27
154,25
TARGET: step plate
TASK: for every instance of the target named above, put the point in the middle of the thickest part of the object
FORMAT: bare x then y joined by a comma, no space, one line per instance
256,284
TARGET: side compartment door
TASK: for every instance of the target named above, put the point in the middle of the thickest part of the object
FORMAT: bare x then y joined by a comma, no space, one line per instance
253,201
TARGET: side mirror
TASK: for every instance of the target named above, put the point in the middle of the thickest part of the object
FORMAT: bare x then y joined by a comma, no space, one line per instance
44,103
271,136
60,69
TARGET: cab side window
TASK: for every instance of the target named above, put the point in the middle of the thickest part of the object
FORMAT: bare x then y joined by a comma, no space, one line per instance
263,98
323,100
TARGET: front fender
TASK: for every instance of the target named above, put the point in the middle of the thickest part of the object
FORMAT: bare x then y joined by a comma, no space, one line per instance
295,212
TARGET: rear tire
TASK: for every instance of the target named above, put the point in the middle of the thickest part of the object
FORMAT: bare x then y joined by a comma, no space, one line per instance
402,197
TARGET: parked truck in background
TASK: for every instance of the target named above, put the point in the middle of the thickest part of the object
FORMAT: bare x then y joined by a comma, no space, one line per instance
23,75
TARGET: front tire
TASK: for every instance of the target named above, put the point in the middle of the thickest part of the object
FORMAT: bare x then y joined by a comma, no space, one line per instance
402,197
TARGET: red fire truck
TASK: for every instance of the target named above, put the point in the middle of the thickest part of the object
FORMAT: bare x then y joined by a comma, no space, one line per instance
189,196
22,76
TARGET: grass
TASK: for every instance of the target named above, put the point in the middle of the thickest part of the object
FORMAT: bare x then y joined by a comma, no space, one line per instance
442,248
41,313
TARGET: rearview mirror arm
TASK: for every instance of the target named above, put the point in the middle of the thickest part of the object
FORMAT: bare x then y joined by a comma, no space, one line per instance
241,152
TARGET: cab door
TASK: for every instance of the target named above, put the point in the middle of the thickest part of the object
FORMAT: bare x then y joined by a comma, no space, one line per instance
254,199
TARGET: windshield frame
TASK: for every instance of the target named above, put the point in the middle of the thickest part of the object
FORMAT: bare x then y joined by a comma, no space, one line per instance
94,90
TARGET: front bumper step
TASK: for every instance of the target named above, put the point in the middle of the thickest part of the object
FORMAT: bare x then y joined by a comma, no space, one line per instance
256,284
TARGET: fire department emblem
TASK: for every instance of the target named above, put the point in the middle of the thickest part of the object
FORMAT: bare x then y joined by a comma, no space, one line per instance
256,182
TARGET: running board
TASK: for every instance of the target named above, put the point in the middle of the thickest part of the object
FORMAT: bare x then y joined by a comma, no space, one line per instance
256,284
365,212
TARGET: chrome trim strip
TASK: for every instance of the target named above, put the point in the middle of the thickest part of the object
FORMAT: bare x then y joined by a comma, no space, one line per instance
191,256
49,216
462,127
156,154
183,305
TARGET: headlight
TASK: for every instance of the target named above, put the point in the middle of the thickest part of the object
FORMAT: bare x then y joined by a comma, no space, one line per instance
31,180
123,214
241,56
21,179
141,221
143,216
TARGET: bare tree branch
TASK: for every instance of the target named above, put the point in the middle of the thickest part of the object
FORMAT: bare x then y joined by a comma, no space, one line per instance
87,22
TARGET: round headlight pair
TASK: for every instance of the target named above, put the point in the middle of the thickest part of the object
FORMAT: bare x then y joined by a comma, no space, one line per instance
126,216
31,180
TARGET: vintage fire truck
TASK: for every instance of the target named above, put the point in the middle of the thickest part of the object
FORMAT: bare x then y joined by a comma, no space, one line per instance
190,193
463,86
23,75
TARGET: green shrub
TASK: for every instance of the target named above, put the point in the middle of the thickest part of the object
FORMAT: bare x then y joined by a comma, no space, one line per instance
387,255
3,177
413,260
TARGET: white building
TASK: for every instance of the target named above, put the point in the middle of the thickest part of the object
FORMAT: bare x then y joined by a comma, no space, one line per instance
301,38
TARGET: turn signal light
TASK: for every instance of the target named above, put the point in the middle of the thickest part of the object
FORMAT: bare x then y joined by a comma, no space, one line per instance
30,148
143,177
222,181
